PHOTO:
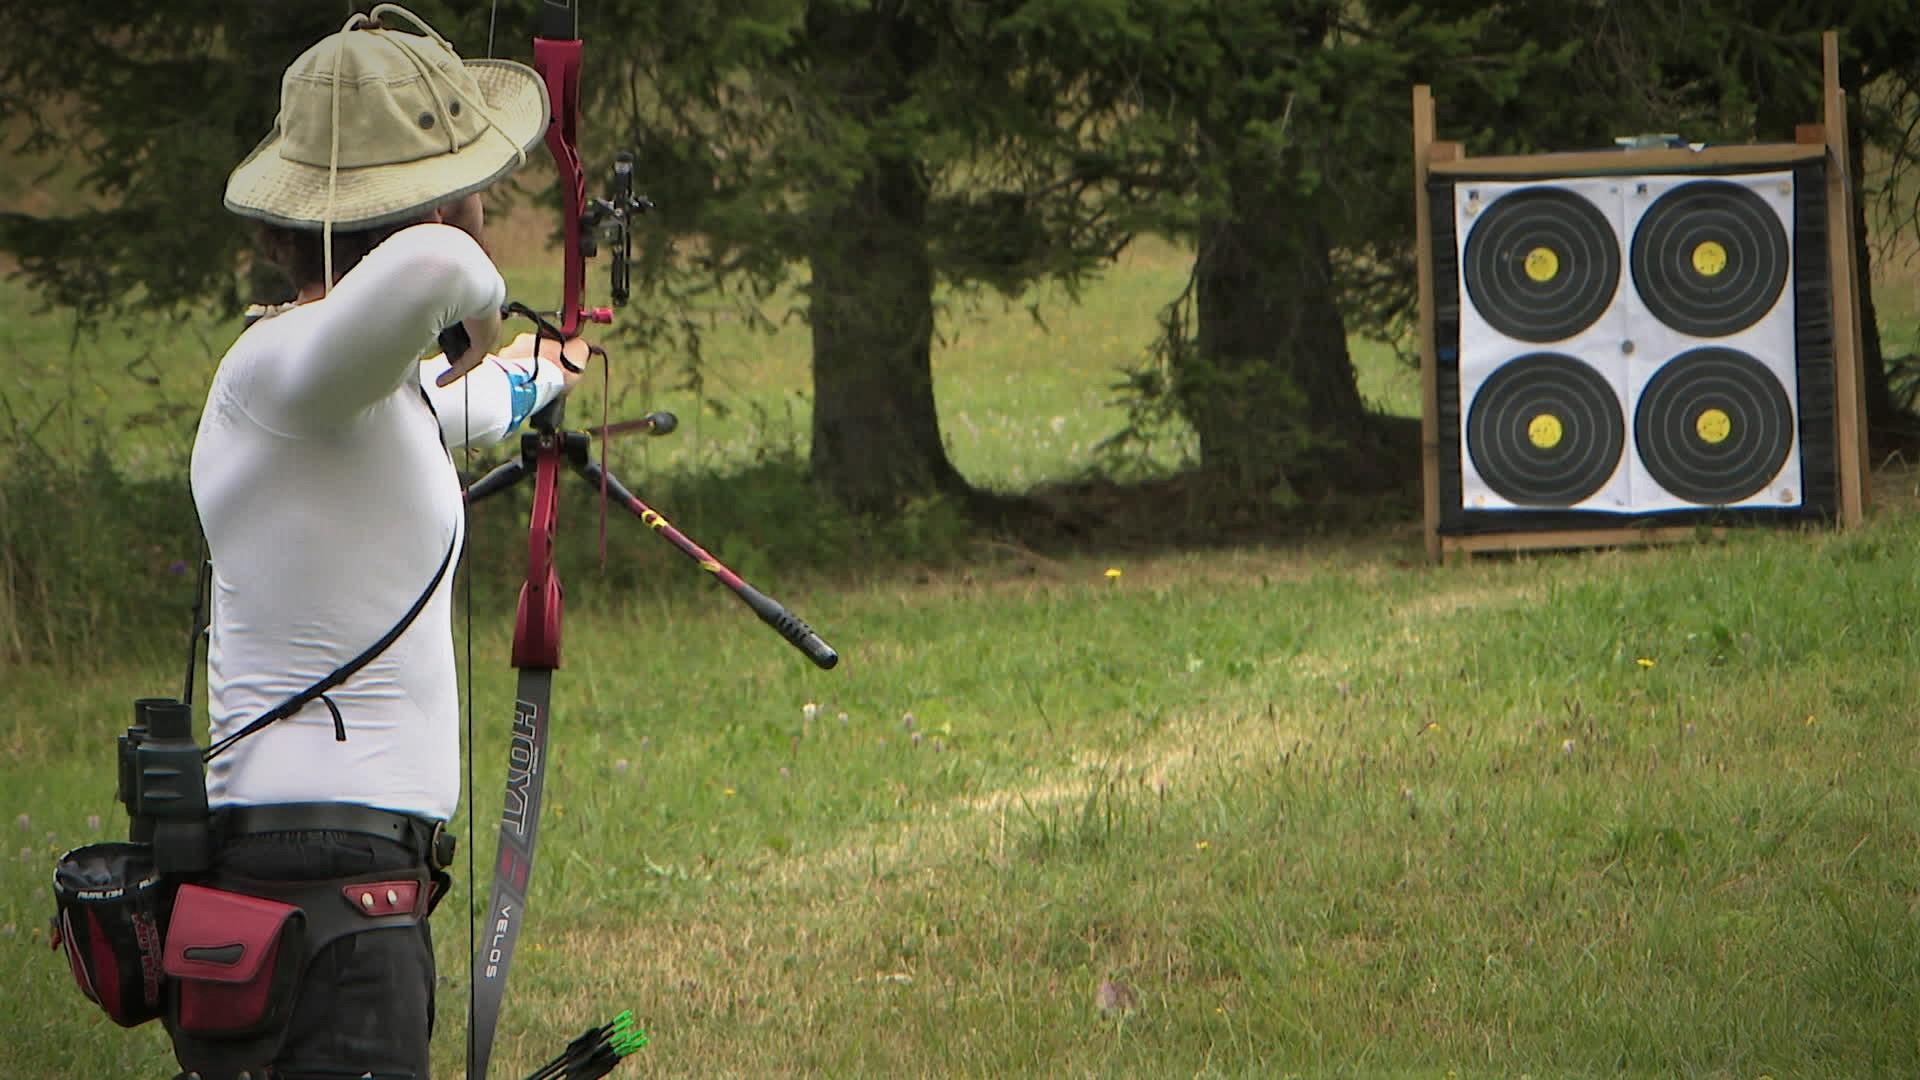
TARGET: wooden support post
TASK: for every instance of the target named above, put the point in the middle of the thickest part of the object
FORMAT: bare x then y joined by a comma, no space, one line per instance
1850,392
1423,131
1573,539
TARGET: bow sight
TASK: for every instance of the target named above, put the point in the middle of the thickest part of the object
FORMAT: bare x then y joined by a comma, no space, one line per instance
607,221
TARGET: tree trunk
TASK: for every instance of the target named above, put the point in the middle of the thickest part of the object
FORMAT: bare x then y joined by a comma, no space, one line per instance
1270,388
1776,112
876,434
1888,428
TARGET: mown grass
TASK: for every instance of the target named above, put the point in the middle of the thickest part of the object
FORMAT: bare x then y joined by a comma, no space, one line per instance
1314,809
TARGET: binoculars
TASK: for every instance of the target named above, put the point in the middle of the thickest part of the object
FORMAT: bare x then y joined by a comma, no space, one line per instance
163,784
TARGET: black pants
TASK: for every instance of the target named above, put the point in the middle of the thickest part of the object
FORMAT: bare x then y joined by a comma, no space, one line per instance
365,1005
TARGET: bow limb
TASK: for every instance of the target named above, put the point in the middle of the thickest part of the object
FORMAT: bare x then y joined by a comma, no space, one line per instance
536,653
556,56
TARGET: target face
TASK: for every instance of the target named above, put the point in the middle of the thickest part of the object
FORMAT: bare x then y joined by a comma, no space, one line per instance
1545,430
1713,426
1710,258
1541,264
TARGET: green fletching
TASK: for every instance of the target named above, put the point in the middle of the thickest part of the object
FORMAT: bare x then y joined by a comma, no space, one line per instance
596,1052
628,1042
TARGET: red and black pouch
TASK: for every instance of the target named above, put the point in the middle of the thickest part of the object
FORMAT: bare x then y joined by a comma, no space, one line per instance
234,961
111,913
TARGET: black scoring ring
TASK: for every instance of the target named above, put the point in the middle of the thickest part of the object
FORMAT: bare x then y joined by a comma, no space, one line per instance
1713,426
1545,430
1541,264
1709,258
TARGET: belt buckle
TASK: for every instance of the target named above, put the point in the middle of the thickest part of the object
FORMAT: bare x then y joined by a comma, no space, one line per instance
440,846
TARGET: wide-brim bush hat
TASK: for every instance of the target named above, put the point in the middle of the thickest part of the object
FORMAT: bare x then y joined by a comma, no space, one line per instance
377,126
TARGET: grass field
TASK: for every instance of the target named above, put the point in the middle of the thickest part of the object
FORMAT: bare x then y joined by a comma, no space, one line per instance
1314,809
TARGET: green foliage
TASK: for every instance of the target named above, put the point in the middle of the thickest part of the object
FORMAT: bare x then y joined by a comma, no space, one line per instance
868,154
97,564
1147,392
1274,136
766,520
135,113
94,563
755,120
734,478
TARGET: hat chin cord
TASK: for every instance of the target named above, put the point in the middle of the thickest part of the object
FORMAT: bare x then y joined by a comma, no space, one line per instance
430,75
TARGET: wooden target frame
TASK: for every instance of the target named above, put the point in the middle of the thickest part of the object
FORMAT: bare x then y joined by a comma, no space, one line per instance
1824,143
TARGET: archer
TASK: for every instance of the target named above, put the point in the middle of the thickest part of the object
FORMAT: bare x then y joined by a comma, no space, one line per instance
273,906
328,497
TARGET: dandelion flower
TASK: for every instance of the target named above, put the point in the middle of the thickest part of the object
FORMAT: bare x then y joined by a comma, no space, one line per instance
1113,573
1644,661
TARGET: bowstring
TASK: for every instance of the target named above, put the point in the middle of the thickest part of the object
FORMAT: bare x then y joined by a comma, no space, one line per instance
473,939
467,448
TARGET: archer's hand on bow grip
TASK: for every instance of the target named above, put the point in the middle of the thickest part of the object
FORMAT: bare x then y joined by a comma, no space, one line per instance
789,626
465,345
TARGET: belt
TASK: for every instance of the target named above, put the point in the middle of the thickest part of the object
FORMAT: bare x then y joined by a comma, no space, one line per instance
424,837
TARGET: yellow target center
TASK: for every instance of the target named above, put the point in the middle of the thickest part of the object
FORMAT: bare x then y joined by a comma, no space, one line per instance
1709,259
1544,431
1713,426
1542,265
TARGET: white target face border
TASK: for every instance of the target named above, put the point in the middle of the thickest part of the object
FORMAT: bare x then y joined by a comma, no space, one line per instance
1485,350
1770,340
1627,345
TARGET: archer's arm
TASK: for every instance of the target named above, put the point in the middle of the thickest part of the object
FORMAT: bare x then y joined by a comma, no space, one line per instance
490,403
366,337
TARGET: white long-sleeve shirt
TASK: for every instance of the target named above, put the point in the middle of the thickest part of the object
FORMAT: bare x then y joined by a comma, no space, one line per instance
328,499
490,403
